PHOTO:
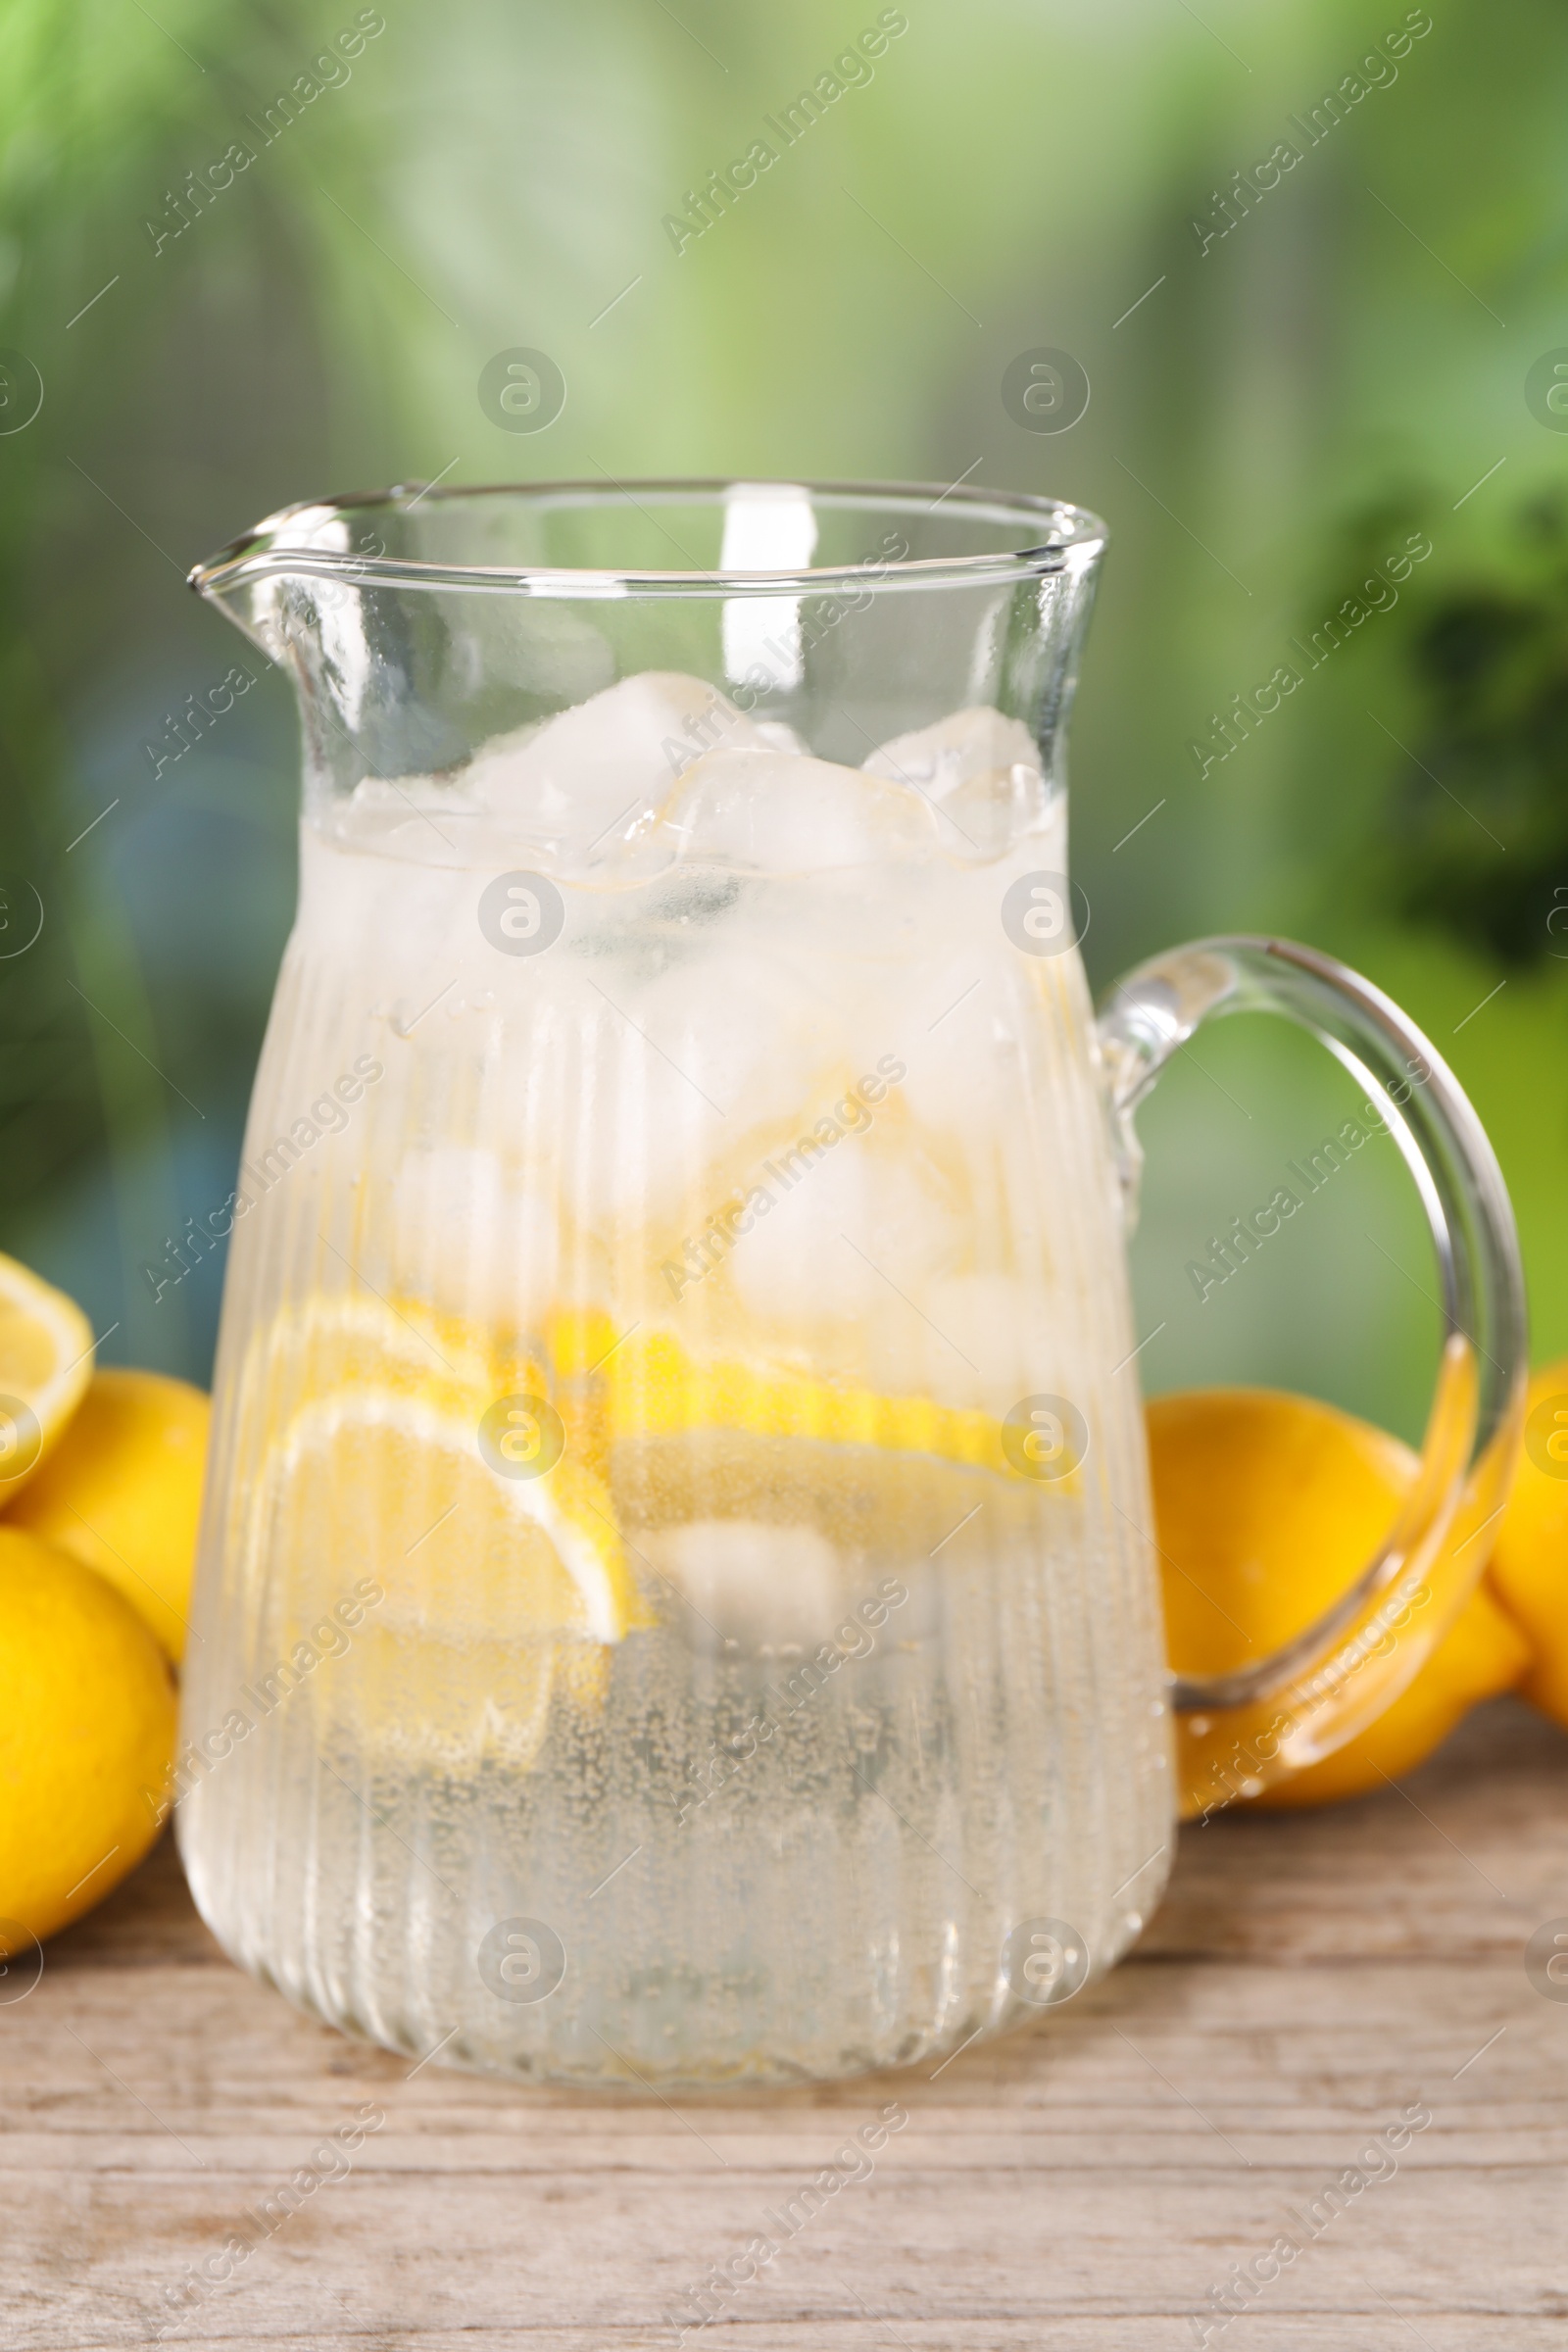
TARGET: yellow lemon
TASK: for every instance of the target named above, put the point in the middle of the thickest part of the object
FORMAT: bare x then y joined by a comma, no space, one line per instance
45,1365
86,1736
609,1386
1266,1507
1482,1654
1529,1564
122,1491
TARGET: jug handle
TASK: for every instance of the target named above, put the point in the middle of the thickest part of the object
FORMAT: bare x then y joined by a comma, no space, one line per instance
1237,1732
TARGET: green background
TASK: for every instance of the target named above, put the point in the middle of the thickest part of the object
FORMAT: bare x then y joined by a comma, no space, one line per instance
1283,409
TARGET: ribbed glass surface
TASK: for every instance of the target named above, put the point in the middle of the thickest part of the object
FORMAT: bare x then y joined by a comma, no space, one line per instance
751,1736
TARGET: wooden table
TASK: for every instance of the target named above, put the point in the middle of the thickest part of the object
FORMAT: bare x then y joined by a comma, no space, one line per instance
1083,2184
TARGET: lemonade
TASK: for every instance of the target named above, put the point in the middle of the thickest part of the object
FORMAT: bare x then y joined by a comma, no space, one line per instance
674,1379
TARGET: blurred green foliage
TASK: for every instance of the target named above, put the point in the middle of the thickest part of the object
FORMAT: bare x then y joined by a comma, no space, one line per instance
1483,810
1271,411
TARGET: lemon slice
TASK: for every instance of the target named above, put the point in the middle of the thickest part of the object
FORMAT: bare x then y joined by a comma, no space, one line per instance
481,1590
767,1488
45,1364
336,1338
654,1388
393,1486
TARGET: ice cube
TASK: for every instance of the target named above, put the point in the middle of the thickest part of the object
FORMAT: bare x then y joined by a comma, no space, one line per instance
991,1338
849,1229
395,798
767,811
753,1583
640,1090
737,1030
579,789
772,735
591,775
940,758
416,817
979,769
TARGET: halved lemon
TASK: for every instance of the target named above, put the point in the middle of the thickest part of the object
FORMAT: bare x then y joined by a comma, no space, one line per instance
45,1364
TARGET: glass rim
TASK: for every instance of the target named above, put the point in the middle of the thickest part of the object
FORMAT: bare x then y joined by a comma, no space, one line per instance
1063,537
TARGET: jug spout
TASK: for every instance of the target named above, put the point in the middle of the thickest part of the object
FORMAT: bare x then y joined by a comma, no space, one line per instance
233,598
251,579
321,592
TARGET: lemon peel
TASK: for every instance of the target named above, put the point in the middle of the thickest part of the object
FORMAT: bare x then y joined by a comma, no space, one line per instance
46,1348
1267,1506
86,1734
122,1492
654,1387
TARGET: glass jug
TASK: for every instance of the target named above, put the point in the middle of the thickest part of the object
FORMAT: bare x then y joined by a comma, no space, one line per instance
676,1600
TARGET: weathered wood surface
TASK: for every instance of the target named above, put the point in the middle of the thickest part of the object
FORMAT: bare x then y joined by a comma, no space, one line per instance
1081,2186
